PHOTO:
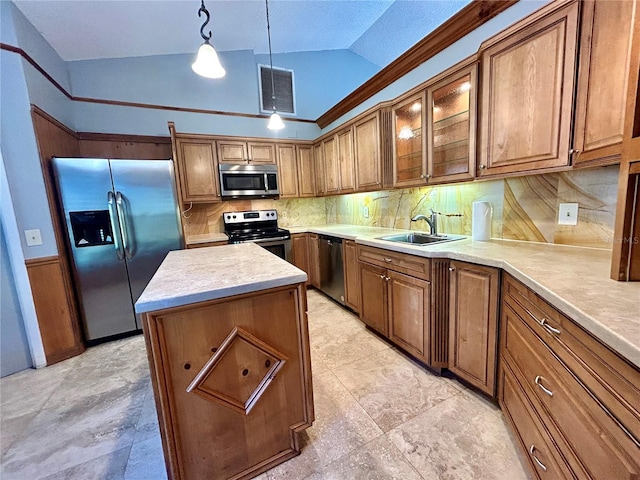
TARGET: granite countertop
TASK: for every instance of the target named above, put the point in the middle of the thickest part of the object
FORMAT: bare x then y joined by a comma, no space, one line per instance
200,274
575,280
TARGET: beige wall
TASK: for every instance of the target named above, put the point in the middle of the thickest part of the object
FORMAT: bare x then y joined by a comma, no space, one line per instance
524,208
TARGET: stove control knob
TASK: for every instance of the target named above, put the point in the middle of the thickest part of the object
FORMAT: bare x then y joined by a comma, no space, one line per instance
234,216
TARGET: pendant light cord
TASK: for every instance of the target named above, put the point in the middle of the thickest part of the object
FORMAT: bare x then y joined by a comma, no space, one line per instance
273,91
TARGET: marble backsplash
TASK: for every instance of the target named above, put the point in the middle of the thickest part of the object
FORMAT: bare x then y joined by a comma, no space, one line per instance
524,208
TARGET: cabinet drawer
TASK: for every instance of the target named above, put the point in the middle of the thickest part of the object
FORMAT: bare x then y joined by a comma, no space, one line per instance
399,262
592,440
613,380
543,458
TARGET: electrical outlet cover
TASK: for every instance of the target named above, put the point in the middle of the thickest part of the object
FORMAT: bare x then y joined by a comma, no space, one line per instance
365,212
568,214
33,237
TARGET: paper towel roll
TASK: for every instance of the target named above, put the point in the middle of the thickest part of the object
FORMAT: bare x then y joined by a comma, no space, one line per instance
481,221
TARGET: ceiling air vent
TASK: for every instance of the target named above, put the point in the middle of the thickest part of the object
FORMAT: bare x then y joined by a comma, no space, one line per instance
283,84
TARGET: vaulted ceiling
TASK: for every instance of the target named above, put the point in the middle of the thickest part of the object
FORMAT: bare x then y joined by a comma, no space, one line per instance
378,30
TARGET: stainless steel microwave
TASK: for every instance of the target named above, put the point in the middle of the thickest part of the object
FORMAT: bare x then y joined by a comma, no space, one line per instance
242,181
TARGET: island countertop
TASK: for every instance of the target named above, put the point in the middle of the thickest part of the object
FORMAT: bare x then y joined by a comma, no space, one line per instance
198,275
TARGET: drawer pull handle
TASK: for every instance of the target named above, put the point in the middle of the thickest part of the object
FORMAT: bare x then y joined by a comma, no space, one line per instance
542,387
388,260
549,328
532,449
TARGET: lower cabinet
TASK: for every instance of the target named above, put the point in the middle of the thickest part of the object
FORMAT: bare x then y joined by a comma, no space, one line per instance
300,249
473,322
351,275
314,260
572,402
396,298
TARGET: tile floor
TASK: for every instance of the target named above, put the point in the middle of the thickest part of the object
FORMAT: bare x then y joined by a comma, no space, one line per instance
378,415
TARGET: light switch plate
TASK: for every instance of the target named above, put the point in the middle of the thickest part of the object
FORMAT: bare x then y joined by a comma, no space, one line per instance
568,214
34,238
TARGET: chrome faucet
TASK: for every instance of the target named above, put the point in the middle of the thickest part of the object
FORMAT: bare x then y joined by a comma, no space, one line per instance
432,220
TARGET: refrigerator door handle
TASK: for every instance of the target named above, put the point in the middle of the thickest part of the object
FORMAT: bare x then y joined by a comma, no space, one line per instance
114,226
120,207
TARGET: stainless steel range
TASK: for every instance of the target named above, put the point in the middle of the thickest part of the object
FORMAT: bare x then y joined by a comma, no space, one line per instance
261,227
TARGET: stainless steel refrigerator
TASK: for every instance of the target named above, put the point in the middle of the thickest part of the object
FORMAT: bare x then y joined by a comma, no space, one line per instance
122,218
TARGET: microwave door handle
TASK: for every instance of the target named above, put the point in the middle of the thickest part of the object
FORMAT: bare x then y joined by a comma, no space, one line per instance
266,182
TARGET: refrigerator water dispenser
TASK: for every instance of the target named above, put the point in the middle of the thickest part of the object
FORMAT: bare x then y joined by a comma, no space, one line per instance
91,228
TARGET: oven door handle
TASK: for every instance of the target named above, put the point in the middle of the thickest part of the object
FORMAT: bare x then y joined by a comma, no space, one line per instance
264,240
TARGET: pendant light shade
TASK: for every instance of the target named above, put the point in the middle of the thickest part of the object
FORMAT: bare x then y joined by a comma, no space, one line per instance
275,122
207,63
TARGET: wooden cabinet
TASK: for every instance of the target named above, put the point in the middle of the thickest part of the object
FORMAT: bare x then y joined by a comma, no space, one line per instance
337,159
331,166
473,322
207,244
232,394
236,151
306,171
288,170
351,275
451,117
197,170
374,309
528,76
346,161
368,161
318,161
572,386
314,260
300,248
409,156
396,298
409,313
605,58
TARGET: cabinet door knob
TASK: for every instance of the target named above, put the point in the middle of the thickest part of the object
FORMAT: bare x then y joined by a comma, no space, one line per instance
573,151
423,176
387,278
388,260
451,269
382,276
482,167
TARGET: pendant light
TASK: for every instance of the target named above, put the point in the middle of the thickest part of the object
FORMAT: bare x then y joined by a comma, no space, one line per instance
207,63
275,122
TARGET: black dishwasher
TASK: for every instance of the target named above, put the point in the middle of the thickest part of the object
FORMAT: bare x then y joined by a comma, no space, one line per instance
331,267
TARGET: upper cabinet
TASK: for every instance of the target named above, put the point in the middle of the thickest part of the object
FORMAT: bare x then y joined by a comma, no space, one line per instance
528,76
197,169
605,57
331,166
451,116
233,151
346,161
368,163
318,161
409,165
306,171
287,170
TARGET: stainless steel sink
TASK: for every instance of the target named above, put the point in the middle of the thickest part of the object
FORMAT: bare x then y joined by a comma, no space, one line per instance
420,238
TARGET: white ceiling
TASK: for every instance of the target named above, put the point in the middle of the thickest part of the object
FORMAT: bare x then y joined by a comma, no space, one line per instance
378,30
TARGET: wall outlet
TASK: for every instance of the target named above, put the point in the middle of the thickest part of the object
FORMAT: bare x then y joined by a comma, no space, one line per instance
365,212
283,214
568,214
33,237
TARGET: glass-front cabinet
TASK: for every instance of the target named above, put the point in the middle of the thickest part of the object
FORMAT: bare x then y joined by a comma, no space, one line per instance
409,166
451,116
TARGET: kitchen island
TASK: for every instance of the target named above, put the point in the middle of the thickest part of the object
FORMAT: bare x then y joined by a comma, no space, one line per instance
228,348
